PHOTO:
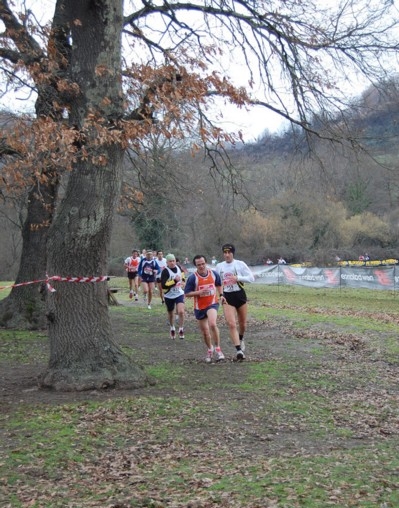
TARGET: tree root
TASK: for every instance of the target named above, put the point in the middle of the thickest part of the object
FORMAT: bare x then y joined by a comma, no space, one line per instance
69,380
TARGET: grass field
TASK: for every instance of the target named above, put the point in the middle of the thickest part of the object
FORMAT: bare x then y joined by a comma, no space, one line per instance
310,419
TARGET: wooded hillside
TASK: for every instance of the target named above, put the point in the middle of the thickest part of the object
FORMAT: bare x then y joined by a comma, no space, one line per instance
303,197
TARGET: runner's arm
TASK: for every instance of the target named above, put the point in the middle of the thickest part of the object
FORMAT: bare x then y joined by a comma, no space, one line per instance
166,281
189,289
244,274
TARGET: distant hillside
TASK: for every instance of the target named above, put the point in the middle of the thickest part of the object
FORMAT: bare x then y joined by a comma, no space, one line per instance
373,120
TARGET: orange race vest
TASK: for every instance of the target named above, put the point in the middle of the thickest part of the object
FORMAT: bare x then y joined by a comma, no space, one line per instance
208,283
133,264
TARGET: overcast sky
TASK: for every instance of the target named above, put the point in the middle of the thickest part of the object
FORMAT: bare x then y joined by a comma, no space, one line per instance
251,122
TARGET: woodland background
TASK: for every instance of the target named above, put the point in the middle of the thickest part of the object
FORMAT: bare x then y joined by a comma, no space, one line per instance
289,193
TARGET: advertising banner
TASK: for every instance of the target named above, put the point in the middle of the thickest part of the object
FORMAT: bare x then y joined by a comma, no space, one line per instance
267,274
311,277
368,278
381,277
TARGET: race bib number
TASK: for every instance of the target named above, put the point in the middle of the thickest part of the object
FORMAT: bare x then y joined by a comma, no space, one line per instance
209,289
229,282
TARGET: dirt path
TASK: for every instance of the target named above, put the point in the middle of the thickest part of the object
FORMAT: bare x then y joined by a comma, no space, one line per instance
344,357
152,346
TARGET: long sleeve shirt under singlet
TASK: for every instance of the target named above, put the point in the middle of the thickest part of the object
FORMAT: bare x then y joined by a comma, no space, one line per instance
237,269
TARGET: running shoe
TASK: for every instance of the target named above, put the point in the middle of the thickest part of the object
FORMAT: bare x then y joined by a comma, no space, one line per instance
181,333
240,355
209,355
149,307
172,333
131,294
219,354
242,344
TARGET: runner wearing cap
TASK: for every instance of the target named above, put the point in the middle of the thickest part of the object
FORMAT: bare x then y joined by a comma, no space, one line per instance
234,274
172,285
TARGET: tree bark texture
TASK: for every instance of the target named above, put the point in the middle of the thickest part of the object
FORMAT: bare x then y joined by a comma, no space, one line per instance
24,307
83,352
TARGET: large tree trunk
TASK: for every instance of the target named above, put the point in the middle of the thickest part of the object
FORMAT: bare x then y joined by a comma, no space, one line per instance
83,353
24,308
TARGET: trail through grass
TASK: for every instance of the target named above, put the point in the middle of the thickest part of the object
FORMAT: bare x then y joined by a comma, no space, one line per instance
309,420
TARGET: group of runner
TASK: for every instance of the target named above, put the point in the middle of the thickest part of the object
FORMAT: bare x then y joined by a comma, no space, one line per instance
144,270
222,284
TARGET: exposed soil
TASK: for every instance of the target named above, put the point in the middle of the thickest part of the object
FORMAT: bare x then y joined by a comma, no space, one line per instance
247,422
150,346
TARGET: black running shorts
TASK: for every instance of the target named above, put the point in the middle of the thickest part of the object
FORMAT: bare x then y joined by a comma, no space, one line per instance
236,298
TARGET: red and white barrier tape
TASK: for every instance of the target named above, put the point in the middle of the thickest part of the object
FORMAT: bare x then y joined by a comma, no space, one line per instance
58,278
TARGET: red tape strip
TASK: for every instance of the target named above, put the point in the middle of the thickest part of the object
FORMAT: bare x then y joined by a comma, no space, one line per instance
58,278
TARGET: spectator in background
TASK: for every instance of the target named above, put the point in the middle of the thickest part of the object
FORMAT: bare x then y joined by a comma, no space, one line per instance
281,261
269,261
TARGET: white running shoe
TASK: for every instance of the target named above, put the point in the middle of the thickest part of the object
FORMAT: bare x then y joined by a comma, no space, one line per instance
173,333
181,333
209,355
219,354
240,355
149,307
242,344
